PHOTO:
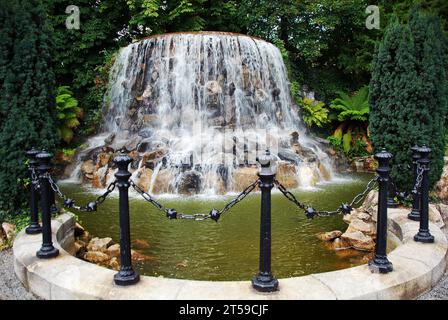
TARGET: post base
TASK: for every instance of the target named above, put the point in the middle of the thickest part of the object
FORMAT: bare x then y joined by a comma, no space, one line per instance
391,203
380,264
47,252
264,283
126,278
414,215
424,236
33,228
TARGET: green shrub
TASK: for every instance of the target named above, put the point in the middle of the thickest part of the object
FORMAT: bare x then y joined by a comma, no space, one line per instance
68,113
313,112
26,96
408,94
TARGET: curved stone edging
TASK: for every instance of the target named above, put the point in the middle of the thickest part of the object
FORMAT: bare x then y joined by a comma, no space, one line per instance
417,268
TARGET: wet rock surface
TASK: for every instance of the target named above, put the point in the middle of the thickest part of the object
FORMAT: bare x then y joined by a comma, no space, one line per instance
212,106
103,251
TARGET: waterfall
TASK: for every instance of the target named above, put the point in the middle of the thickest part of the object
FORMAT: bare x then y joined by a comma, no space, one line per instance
198,107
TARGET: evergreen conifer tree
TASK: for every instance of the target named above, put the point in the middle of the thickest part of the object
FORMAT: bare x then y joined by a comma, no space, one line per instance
408,96
27,103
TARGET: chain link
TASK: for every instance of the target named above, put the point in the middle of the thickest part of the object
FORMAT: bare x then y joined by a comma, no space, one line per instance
55,187
288,194
35,180
359,197
240,197
214,213
70,203
345,208
418,179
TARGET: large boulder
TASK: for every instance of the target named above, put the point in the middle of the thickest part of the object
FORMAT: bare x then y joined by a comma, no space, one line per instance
289,155
153,155
189,182
357,224
96,256
8,230
88,167
358,240
99,178
114,250
287,175
325,172
213,87
441,188
99,244
243,177
435,215
443,209
144,177
103,159
163,182
114,264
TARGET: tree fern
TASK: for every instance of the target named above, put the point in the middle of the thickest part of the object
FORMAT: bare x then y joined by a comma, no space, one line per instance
355,108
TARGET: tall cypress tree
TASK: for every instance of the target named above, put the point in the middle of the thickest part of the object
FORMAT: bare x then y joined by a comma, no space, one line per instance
27,102
408,96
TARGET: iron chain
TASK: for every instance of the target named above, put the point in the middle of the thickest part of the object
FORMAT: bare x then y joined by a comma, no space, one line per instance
35,180
70,203
288,194
345,208
370,186
418,179
240,197
214,214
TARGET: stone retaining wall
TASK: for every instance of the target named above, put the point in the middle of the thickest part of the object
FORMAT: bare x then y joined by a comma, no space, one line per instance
417,268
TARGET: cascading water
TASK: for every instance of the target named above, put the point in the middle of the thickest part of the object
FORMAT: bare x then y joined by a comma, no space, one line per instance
194,109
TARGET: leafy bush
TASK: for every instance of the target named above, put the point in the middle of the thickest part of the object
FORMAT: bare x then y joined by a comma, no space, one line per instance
68,113
313,112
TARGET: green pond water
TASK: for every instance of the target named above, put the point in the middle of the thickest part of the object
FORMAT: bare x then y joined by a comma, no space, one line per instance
229,249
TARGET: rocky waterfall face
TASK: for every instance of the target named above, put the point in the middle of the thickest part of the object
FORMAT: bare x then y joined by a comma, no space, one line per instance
194,110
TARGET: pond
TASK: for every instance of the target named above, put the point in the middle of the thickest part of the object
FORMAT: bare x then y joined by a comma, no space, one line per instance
229,249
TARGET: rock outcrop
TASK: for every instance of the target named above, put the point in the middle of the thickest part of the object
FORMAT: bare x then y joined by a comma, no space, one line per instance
361,231
102,251
441,188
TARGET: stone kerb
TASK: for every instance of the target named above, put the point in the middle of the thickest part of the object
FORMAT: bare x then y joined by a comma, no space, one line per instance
417,268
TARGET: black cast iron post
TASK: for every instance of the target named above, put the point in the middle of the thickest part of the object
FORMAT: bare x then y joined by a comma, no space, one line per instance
53,208
126,275
34,227
380,263
423,234
416,194
391,203
47,250
264,281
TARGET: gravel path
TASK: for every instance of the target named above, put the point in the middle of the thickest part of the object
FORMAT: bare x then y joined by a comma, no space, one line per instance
12,289
10,286
439,292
